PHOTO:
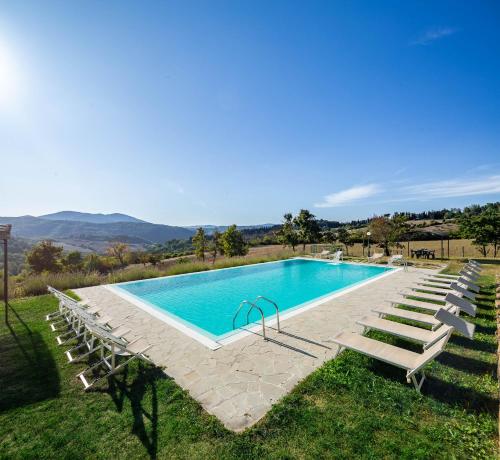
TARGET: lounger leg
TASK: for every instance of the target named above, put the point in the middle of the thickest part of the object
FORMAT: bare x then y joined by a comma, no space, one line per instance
418,385
339,350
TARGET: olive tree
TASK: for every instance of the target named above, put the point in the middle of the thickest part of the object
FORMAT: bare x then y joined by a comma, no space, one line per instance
287,234
233,243
307,226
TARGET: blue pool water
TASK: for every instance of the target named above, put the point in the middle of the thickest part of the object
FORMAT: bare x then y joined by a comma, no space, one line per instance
207,301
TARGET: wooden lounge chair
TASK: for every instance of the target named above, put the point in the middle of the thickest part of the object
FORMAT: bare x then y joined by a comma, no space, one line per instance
413,363
323,254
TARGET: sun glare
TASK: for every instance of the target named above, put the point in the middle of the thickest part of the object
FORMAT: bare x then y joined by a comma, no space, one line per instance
8,76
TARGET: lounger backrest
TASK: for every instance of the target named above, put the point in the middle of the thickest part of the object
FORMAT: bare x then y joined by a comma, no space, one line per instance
462,291
459,324
468,274
467,282
461,303
471,269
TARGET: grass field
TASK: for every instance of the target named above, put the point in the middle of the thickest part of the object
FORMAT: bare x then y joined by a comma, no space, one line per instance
352,407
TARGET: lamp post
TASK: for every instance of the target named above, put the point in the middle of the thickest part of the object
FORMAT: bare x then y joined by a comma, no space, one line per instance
5,235
368,234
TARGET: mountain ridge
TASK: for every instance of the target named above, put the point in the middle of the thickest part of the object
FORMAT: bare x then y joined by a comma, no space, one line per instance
94,236
96,218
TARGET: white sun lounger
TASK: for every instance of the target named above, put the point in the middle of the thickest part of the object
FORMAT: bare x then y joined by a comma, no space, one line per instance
337,257
468,284
113,348
417,334
410,315
89,342
376,256
452,302
439,290
398,259
413,363
424,296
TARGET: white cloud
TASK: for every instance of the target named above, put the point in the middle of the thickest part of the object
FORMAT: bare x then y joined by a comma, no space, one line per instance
453,188
433,34
400,191
349,195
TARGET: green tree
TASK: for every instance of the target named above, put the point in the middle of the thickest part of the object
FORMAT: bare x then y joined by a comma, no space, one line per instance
287,234
200,243
154,259
118,250
233,243
215,245
44,256
308,228
345,237
387,232
483,228
73,261
329,235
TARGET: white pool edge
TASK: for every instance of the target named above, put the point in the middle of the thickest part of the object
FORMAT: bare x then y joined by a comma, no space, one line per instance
213,344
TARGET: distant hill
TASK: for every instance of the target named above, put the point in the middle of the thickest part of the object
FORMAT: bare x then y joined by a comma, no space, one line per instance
91,236
92,218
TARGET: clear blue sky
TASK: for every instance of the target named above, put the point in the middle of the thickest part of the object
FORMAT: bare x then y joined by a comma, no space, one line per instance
221,112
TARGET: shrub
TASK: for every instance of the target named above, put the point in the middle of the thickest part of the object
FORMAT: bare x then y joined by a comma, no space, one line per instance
36,284
44,256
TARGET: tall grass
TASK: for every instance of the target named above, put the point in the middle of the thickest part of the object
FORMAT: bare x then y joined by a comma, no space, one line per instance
32,285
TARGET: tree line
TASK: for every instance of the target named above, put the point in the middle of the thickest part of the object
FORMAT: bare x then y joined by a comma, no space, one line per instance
479,223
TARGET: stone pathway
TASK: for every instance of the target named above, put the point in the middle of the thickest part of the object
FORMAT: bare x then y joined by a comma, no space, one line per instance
239,382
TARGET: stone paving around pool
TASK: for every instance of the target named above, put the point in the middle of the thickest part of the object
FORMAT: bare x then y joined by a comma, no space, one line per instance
239,382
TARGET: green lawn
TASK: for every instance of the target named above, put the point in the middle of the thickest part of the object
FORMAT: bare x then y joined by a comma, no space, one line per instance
351,407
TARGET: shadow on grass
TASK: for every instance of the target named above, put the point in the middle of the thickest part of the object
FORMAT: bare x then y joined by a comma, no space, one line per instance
143,396
466,364
467,398
446,392
473,344
28,370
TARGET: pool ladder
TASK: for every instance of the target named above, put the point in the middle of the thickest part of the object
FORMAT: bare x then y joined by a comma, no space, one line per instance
254,306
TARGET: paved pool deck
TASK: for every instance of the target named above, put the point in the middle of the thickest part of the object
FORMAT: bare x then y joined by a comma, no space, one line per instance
239,382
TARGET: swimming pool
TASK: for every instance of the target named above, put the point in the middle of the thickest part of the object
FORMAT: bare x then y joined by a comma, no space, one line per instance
204,304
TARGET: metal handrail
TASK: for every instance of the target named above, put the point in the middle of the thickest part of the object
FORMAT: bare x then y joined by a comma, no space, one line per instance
261,297
252,306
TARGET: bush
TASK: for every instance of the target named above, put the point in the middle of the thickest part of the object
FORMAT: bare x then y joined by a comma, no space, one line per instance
37,284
